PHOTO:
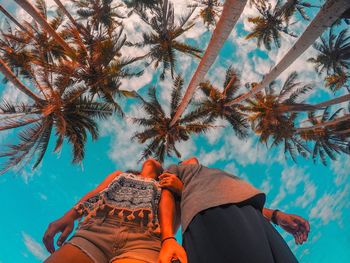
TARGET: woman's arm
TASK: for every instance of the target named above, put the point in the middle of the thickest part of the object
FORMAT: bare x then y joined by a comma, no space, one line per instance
65,224
167,212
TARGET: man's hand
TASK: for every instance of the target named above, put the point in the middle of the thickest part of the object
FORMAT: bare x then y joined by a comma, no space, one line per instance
64,225
171,250
295,225
171,182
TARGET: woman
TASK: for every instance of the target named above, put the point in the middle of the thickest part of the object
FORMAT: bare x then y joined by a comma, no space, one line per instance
224,220
121,220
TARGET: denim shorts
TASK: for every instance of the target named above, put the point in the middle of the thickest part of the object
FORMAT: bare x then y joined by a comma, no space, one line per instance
107,239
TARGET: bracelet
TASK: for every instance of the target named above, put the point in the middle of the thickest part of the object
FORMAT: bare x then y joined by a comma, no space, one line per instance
273,217
166,239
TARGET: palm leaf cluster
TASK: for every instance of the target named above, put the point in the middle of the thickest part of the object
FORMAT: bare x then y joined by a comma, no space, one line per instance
272,114
163,39
209,12
333,58
268,26
213,105
327,141
160,135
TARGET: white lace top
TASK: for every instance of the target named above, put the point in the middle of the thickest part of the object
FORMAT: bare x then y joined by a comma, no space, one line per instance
129,197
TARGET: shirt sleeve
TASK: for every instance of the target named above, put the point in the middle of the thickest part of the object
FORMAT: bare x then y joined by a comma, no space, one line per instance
172,169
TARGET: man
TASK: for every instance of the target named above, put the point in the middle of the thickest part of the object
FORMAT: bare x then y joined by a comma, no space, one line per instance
223,220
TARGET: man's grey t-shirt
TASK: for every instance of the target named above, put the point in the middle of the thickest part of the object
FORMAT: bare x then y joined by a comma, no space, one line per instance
209,187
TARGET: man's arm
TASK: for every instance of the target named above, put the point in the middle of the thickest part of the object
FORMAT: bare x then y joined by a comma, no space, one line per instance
293,224
65,224
167,213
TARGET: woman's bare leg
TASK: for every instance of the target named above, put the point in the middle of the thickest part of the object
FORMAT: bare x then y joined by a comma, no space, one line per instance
69,254
126,260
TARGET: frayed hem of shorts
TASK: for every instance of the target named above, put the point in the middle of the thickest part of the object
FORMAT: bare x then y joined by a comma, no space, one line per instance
137,258
82,249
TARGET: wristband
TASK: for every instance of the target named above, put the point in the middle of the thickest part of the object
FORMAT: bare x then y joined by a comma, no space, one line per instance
273,217
166,239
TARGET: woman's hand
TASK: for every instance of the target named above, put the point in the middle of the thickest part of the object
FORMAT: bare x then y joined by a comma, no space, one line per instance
295,225
171,250
64,225
171,182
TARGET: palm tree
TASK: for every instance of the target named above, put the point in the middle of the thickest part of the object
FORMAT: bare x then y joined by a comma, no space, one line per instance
326,142
209,12
336,81
40,19
334,53
141,4
213,105
272,114
20,48
231,12
269,25
329,12
99,12
65,110
159,132
292,6
103,67
162,41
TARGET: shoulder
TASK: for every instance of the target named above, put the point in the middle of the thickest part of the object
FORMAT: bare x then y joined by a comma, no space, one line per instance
173,168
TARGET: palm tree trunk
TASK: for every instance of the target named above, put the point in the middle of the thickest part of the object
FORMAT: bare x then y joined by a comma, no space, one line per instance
329,13
309,107
230,14
324,124
30,9
18,84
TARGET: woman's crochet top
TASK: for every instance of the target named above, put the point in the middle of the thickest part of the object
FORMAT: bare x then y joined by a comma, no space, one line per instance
129,197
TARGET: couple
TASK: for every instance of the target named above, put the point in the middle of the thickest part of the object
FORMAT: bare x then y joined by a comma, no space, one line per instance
132,217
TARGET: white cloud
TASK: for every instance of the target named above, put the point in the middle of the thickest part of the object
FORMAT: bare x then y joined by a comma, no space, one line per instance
341,169
330,206
34,247
308,196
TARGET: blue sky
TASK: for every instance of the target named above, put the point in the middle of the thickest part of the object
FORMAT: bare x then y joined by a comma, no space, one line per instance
32,199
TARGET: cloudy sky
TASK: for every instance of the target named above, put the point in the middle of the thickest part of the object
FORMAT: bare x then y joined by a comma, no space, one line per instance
32,199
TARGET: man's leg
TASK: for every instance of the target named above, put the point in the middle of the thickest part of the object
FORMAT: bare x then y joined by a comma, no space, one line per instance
229,234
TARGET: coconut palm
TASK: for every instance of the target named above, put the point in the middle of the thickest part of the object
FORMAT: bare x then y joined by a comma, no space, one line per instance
337,81
37,13
161,135
329,12
274,105
103,67
99,12
213,106
326,141
163,39
293,6
20,48
333,53
65,110
272,114
269,25
141,4
209,11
